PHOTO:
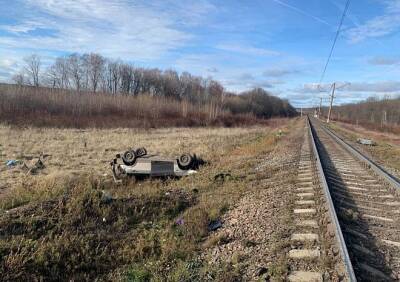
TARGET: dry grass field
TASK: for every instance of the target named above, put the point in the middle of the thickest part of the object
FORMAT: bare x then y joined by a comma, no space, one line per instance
58,224
74,152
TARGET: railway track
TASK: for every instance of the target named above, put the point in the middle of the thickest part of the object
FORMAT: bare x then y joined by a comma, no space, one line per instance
317,249
347,214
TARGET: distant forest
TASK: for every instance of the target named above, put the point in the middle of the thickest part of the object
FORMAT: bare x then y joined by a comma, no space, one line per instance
91,90
380,114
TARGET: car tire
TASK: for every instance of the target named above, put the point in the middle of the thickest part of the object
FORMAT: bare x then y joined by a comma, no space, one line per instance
129,157
141,152
185,161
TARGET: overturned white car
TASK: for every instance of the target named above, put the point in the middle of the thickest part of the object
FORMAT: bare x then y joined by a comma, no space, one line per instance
138,164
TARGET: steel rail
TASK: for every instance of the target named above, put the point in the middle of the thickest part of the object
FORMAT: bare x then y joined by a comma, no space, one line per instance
353,151
338,231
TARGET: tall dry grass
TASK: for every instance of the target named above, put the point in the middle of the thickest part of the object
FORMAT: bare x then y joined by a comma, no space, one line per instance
38,106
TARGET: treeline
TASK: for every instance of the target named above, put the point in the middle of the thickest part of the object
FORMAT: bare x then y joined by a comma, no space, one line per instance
259,103
95,73
91,90
52,107
379,114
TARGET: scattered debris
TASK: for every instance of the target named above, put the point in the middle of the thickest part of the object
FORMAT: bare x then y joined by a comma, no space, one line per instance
221,177
106,197
368,142
261,271
12,163
30,165
279,133
34,166
214,225
180,221
181,195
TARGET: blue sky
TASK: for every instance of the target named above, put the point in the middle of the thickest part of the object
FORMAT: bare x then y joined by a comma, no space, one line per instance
280,45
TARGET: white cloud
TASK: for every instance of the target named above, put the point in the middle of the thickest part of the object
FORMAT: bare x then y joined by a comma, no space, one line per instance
7,63
7,66
384,61
212,70
133,30
247,50
235,85
246,77
353,87
236,77
279,72
24,27
380,86
378,26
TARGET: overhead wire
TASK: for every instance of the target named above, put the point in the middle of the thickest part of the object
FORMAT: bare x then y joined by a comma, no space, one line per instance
334,41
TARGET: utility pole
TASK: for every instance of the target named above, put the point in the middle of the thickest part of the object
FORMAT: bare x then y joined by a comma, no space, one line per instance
301,112
319,109
384,119
330,107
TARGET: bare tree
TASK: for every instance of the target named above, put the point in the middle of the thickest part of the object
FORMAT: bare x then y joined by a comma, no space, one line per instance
373,112
94,72
19,78
85,64
137,81
126,74
51,78
113,76
171,84
33,64
62,72
76,71
152,82
216,96
95,69
185,80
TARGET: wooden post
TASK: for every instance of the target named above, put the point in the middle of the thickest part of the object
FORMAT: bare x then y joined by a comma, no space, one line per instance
319,109
384,119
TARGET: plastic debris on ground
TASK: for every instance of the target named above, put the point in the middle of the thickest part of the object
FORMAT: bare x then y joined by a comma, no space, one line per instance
106,197
214,225
180,221
11,163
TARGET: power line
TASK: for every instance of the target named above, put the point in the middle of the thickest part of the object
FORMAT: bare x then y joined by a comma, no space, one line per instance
334,41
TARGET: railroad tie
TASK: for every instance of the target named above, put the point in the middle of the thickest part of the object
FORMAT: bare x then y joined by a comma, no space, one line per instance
305,238
305,276
363,195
